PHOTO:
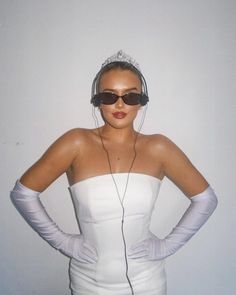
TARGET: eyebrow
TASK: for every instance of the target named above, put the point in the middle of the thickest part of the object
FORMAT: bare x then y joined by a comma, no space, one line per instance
126,90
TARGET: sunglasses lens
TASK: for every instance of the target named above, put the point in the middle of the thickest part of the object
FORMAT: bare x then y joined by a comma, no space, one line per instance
132,98
107,97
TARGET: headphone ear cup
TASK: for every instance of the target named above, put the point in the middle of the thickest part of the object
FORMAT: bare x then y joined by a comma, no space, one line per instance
95,101
144,99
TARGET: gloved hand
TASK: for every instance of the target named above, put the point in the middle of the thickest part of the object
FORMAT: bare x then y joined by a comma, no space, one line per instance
81,250
200,209
28,203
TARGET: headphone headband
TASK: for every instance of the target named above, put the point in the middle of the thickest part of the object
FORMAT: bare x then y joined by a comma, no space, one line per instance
119,57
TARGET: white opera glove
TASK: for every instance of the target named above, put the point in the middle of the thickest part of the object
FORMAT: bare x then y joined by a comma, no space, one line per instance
200,209
28,203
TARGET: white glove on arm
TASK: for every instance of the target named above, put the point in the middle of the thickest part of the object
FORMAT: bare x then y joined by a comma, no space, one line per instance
200,209
28,203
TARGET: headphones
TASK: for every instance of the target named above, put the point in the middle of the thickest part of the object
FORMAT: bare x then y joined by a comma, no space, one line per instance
96,101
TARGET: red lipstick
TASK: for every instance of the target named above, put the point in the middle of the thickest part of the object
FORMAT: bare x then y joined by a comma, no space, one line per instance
119,115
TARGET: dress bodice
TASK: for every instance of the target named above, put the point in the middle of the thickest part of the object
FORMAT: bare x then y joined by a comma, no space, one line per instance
98,200
99,213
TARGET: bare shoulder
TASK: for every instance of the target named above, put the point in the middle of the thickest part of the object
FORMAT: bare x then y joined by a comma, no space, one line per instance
73,139
73,136
55,160
159,143
176,165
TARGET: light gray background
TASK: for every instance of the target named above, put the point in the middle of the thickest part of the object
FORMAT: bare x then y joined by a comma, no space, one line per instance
50,52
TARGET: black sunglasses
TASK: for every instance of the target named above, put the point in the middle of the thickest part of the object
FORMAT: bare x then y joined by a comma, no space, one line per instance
130,98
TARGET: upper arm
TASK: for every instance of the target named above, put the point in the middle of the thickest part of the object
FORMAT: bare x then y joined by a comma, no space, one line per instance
54,162
178,168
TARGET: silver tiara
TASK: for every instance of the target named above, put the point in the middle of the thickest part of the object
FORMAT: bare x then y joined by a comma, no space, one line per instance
122,57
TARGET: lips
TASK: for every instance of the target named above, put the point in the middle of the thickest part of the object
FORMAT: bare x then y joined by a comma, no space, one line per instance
119,115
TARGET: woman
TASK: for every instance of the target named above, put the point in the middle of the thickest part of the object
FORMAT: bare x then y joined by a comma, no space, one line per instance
115,174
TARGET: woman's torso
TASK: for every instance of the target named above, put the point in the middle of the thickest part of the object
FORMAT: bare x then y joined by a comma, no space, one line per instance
99,212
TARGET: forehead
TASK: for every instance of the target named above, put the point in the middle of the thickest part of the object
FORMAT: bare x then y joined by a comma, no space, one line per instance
120,77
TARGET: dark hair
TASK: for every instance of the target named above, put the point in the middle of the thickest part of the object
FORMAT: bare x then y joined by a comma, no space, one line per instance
117,65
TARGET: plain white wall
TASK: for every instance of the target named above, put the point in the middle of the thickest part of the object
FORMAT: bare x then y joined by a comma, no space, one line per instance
50,52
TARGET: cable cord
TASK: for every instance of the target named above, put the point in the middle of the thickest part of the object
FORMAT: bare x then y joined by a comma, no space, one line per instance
127,181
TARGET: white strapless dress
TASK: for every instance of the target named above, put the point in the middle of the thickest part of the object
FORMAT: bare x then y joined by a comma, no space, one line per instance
99,215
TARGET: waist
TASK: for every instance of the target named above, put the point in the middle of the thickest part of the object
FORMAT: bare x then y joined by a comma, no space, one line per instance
112,269
111,236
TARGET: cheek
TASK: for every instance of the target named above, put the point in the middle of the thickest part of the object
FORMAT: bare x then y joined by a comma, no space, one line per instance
135,109
105,108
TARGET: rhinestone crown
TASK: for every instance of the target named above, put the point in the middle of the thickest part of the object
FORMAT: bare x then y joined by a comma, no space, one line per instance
122,57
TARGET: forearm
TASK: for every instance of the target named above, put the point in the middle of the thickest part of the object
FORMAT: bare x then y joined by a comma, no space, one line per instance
30,207
28,203
201,208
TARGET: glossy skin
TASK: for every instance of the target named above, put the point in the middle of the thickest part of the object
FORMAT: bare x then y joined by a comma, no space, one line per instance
156,154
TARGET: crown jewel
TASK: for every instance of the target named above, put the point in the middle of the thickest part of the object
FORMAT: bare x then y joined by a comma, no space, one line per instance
122,57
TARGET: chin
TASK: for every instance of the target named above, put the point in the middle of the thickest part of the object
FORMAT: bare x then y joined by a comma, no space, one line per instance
119,125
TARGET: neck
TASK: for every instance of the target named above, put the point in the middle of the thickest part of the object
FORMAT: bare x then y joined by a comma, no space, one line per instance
118,135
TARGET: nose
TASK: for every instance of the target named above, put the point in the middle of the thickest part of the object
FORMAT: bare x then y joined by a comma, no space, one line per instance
120,102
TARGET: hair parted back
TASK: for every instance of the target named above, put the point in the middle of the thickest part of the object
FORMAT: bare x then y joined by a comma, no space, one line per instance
122,61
